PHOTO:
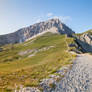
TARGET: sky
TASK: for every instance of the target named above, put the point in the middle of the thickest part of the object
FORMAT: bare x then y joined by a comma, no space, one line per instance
15,14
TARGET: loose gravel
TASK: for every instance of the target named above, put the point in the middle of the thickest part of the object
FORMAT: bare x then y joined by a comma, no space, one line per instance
79,78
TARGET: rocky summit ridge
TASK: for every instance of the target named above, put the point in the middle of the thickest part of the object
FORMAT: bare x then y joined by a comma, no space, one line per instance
23,34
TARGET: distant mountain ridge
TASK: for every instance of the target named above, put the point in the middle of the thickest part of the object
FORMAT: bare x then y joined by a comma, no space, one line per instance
23,34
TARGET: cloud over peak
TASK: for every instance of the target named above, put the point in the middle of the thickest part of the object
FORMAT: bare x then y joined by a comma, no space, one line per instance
51,15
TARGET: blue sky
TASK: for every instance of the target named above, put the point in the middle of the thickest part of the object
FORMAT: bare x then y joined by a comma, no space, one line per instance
15,14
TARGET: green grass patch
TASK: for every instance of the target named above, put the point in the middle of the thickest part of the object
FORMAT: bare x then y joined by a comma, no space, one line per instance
22,70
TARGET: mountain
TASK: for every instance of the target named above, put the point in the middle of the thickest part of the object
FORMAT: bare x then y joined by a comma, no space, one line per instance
84,41
24,34
26,64
43,52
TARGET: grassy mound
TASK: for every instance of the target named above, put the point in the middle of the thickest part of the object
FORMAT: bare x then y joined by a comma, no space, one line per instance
17,69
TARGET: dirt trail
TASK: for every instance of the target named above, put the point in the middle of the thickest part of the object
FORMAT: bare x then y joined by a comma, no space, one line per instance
79,78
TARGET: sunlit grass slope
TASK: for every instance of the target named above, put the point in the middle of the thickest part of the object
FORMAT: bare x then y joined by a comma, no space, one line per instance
16,69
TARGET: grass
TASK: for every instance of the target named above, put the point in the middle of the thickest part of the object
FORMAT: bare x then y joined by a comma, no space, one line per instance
89,32
21,70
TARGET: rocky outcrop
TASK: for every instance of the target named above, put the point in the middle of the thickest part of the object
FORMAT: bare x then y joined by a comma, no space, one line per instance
52,25
47,84
34,51
84,41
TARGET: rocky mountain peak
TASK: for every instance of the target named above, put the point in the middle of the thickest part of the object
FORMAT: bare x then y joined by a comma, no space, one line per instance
54,20
23,34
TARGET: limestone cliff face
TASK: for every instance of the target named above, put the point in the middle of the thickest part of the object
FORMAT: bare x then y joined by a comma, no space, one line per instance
85,42
52,25
87,38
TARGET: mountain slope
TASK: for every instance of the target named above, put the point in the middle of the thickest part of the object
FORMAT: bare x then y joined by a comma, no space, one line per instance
52,25
29,62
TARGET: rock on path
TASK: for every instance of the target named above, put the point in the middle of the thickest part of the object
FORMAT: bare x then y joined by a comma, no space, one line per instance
79,78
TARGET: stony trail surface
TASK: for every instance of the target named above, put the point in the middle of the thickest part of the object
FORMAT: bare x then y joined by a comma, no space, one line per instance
79,78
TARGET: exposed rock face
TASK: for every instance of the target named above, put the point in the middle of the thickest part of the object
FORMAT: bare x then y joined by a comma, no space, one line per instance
52,25
86,38
48,84
85,42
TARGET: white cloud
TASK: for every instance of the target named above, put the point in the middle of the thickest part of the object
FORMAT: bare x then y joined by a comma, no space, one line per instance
38,20
50,14
64,19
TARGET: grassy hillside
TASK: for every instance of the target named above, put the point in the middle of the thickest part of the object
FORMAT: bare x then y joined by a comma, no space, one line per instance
27,63
89,32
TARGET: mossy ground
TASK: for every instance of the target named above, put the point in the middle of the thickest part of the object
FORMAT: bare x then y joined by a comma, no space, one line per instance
22,70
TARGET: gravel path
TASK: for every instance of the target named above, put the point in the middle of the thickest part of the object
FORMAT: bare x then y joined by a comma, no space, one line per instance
79,78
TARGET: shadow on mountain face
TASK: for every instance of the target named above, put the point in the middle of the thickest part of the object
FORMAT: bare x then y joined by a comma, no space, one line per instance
85,47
